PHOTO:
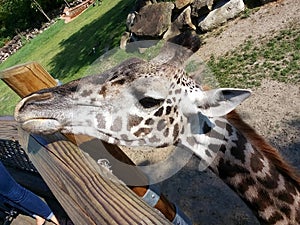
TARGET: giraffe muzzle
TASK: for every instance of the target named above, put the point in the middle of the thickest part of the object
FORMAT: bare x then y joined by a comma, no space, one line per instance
31,117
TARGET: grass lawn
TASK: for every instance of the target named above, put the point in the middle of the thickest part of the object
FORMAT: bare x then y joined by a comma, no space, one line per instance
277,58
66,50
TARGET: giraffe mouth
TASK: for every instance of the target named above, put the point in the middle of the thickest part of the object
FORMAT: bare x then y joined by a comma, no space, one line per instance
41,125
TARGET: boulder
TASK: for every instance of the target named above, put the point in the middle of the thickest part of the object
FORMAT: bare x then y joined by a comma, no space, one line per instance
184,19
201,7
124,39
179,4
130,20
182,22
220,15
153,20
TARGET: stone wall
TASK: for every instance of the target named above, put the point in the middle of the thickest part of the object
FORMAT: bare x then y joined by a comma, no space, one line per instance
164,20
17,42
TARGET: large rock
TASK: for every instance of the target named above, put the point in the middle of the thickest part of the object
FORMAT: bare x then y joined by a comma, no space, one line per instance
201,7
220,15
124,39
182,3
182,22
153,20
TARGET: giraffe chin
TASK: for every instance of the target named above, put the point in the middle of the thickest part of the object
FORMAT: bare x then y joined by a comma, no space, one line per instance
41,126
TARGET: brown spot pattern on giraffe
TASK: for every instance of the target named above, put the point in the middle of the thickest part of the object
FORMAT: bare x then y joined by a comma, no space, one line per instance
142,131
298,215
166,132
168,110
154,139
161,125
215,134
271,179
214,147
101,121
191,141
86,93
159,112
133,121
103,91
149,121
262,201
177,91
237,151
208,153
286,210
275,217
117,124
226,169
245,184
221,124
285,197
256,162
124,137
175,131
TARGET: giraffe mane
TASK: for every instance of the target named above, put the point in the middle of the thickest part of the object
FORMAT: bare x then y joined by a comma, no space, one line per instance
261,145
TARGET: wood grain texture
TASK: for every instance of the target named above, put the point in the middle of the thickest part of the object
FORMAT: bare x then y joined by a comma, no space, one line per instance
90,194
27,78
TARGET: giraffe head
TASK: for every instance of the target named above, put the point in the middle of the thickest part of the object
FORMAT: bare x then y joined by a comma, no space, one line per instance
135,103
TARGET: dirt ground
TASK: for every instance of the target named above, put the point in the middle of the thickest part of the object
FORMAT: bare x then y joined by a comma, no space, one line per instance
273,110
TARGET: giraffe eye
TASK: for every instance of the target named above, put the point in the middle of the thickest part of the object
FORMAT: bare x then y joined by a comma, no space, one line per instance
148,102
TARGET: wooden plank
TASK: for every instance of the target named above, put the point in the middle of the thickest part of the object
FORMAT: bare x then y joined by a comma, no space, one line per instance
27,78
89,193
8,128
78,190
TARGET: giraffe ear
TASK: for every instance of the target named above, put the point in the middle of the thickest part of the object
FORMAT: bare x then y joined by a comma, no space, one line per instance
219,102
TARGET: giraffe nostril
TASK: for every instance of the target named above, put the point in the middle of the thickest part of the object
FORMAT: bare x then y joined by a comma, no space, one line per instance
34,99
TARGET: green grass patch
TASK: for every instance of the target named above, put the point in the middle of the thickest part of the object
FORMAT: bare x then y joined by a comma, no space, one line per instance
277,58
66,50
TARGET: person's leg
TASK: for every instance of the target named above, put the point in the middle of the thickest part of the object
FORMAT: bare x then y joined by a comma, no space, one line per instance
22,197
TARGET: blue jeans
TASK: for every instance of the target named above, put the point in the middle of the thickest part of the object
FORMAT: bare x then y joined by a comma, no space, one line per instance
19,197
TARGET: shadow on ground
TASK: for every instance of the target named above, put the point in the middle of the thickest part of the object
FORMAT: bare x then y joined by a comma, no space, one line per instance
86,45
290,147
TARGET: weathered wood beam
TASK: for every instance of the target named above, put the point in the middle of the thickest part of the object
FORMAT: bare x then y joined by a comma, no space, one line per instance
27,78
90,194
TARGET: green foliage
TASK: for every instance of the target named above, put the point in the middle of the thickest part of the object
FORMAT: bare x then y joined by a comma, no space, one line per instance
19,15
277,58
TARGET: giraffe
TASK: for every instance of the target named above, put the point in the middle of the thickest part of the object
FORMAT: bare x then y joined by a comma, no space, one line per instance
141,103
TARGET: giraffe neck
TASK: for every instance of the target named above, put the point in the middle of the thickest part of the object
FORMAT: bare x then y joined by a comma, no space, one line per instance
271,194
